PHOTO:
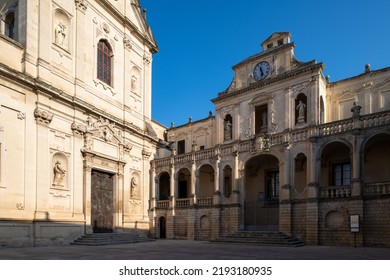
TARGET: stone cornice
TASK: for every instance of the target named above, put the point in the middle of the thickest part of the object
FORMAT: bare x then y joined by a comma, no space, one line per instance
270,81
133,28
41,87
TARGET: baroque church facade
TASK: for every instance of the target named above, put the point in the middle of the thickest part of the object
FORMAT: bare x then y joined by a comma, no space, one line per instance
76,135
287,149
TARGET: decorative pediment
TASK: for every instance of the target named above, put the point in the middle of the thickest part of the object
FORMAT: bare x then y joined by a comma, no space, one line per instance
262,97
105,130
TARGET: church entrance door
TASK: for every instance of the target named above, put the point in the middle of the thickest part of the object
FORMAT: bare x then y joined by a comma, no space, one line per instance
102,201
163,230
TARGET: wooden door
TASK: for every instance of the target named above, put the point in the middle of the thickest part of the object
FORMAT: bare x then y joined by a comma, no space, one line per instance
102,201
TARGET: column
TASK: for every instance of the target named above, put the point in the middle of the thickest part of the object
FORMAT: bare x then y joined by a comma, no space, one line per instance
193,181
312,206
153,202
217,190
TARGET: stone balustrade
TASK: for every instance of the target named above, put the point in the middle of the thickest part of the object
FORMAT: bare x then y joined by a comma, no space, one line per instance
335,192
376,189
163,204
182,202
205,201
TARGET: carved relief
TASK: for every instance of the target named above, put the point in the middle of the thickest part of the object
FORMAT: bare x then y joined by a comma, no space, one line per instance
147,59
104,129
42,116
61,29
260,144
21,116
127,42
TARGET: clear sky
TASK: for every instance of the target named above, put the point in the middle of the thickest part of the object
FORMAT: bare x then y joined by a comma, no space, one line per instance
200,40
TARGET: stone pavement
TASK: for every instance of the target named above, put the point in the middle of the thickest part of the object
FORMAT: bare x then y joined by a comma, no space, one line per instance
192,250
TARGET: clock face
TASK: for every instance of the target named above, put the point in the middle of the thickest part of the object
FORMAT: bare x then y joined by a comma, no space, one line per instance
261,70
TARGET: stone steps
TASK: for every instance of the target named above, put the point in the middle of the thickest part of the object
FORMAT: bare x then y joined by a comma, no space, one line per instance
264,238
98,239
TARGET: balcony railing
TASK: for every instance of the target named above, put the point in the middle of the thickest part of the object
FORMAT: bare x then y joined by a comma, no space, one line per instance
376,189
163,204
335,192
205,201
182,202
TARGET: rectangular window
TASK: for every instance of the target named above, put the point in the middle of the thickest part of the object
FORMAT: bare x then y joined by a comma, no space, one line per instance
181,147
341,174
261,119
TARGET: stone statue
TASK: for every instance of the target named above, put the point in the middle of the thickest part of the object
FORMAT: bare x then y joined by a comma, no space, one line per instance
60,34
133,186
59,173
228,130
301,111
134,84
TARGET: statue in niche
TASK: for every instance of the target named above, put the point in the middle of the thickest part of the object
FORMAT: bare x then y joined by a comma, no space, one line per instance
133,187
59,173
134,83
228,130
60,34
301,112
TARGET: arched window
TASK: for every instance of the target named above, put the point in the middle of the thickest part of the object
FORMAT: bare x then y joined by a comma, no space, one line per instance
104,62
10,25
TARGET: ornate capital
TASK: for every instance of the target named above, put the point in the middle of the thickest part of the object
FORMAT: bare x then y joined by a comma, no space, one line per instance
81,5
147,59
78,129
42,116
127,42
146,154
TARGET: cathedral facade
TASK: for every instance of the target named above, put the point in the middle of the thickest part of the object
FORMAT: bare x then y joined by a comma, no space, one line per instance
287,150
76,135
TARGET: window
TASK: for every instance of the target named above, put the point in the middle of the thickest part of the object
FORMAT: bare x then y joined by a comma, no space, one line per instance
280,42
181,147
10,25
104,62
341,174
261,119
270,46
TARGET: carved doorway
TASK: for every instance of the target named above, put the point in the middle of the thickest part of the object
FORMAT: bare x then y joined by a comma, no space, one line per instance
102,201
163,227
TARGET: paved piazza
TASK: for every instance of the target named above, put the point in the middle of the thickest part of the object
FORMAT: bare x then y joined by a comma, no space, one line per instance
192,250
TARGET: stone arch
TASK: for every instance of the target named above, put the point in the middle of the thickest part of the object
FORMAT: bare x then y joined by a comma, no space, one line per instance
261,193
376,158
164,186
183,183
335,163
206,180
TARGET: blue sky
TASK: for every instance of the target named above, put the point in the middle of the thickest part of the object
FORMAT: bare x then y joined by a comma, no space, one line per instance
200,40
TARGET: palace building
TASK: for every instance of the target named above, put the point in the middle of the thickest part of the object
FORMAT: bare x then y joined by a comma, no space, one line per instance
287,150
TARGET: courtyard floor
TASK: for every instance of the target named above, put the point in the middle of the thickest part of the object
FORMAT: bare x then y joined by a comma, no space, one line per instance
192,250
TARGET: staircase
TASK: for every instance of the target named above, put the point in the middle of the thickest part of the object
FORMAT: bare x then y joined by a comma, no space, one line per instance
263,238
98,239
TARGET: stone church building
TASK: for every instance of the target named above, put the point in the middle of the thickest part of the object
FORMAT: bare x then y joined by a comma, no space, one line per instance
287,149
